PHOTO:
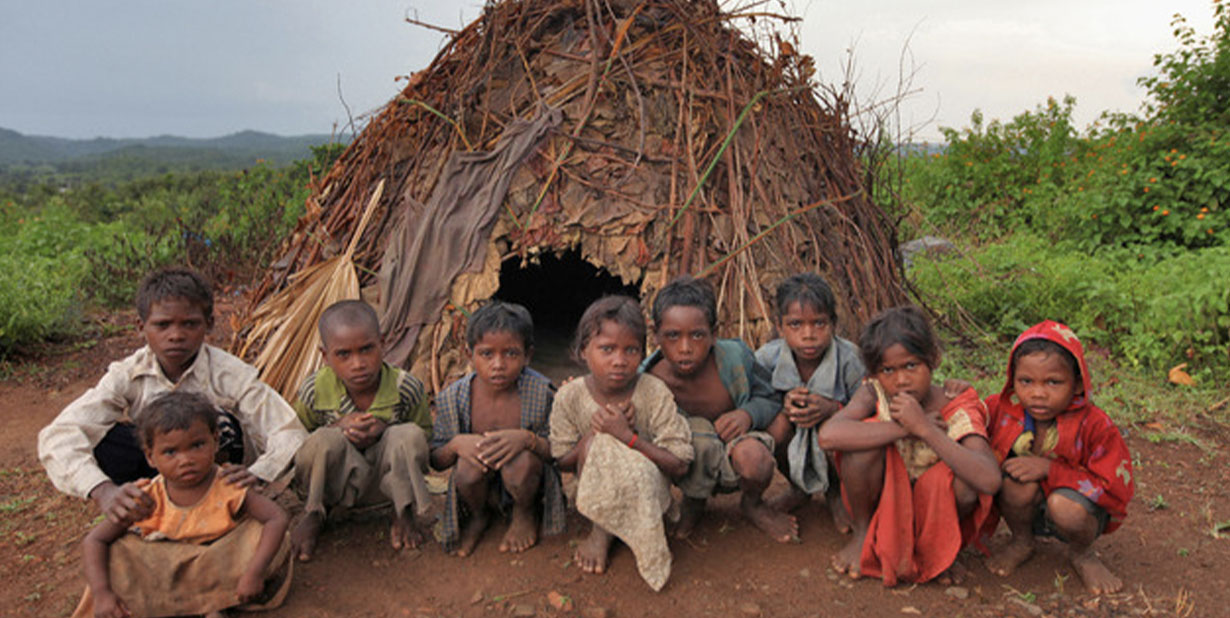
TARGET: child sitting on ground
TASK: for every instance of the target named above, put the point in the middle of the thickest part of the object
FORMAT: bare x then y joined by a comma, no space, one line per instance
218,544
90,449
728,401
918,477
1067,470
492,425
816,372
370,424
623,435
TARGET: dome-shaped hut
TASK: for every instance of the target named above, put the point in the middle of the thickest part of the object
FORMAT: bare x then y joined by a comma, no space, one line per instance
556,150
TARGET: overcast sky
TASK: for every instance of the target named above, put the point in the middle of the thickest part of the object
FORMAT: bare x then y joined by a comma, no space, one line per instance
137,68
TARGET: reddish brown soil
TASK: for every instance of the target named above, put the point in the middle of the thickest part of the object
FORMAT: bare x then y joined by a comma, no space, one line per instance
1171,558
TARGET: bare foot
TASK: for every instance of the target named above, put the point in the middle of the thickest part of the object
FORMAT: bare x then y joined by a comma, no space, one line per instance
849,559
955,575
522,531
303,537
592,553
841,517
782,527
405,531
1005,561
1098,579
689,514
789,500
472,532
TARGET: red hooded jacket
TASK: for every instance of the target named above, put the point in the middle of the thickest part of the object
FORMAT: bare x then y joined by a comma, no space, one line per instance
1090,456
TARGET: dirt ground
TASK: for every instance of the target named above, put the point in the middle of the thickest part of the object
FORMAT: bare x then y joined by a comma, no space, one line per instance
1172,551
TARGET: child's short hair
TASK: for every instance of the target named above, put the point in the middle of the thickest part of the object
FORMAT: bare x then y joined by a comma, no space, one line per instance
621,310
1046,346
686,291
906,325
499,316
347,313
809,290
175,410
175,283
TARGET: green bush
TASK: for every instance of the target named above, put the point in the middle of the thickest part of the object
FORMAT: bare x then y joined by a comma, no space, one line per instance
1153,314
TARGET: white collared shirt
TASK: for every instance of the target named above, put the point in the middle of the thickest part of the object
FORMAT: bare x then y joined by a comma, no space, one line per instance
270,427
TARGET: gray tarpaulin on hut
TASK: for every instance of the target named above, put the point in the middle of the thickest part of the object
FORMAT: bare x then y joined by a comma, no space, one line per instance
449,237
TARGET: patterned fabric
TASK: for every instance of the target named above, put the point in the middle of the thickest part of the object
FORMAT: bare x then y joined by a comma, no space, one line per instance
918,457
211,517
453,416
1089,454
66,446
400,398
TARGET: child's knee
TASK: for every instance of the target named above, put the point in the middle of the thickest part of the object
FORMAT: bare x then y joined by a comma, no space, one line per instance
467,475
966,496
408,436
751,458
326,442
1070,517
522,473
1015,495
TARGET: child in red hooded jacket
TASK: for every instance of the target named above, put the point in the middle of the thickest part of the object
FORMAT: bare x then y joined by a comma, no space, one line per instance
1067,470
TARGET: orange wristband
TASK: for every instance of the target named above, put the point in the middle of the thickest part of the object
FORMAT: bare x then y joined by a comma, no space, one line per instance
632,442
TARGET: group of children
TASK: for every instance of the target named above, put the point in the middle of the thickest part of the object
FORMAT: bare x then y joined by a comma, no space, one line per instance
911,470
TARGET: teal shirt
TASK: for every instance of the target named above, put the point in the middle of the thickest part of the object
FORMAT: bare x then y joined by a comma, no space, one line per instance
747,382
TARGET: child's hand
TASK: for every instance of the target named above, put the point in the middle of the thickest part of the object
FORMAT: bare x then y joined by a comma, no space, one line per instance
239,476
954,387
805,409
250,586
497,448
123,504
466,446
612,419
361,428
733,424
108,605
1027,469
908,413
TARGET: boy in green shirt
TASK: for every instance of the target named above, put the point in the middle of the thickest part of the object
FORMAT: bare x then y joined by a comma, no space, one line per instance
370,425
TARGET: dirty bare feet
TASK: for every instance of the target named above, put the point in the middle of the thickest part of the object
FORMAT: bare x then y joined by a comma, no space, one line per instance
689,514
849,559
405,531
1005,561
473,531
592,553
522,531
303,537
841,517
782,527
1098,579
789,500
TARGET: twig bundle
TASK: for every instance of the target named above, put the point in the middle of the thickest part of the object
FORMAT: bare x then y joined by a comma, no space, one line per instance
686,147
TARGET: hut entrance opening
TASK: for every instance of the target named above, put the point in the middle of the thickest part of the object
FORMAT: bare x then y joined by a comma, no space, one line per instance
556,290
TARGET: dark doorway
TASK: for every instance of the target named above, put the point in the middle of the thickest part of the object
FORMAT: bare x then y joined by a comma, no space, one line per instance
556,291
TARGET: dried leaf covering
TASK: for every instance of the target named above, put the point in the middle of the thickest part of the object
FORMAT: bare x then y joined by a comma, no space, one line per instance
684,147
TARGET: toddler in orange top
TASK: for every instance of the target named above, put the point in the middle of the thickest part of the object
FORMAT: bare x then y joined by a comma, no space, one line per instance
190,506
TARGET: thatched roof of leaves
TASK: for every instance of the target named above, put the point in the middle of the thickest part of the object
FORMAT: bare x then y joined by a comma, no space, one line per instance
668,141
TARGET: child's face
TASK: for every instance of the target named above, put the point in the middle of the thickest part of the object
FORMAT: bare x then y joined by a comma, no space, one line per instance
807,331
685,338
184,456
498,358
612,356
904,372
354,354
1044,384
175,330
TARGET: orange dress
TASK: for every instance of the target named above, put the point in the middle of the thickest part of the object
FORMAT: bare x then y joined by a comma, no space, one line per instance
211,517
915,532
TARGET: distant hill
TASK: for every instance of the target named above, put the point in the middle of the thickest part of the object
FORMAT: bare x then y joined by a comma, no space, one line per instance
25,154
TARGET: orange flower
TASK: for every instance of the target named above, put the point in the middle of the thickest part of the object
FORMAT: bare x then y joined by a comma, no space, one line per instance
1181,157
1210,230
1165,213
1155,207
1173,163
1205,209
1152,180
1200,216
1146,189
1174,150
